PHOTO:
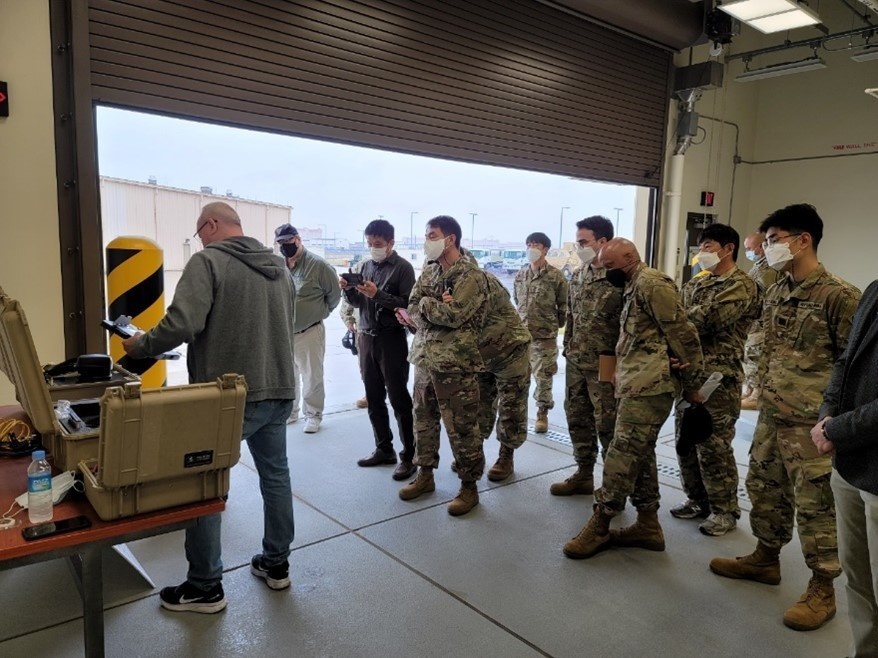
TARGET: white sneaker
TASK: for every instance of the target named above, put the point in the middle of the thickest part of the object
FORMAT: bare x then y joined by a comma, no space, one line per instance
312,424
716,525
293,418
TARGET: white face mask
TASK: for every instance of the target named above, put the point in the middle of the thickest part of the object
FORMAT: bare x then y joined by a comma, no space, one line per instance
533,254
778,255
378,253
752,256
586,254
61,484
707,260
434,248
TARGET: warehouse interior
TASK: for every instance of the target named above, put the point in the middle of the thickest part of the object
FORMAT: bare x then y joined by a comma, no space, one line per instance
576,87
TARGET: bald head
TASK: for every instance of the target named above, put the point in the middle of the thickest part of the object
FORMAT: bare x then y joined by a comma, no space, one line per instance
619,253
218,221
753,242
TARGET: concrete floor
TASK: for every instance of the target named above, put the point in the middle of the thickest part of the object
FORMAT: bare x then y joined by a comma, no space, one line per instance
377,576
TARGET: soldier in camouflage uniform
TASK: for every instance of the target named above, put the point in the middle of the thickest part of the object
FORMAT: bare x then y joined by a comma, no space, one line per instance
653,326
593,309
350,318
447,305
540,293
764,277
807,318
722,305
503,386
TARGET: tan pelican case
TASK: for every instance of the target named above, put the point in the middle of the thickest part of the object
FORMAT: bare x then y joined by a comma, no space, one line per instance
138,450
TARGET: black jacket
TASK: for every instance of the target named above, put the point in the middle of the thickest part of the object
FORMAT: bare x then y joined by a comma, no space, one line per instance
852,400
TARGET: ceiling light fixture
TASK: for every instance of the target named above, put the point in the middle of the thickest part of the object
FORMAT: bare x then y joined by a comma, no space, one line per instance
872,92
769,16
787,68
866,54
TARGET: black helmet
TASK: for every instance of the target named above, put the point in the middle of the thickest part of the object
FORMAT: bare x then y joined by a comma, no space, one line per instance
349,342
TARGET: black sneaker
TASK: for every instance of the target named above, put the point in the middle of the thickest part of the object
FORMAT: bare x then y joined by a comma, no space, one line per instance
276,577
188,597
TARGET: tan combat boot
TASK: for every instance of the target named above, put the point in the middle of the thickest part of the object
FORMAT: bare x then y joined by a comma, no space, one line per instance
762,565
504,466
581,482
466,499
643,533
814,608
423,483
751,402
592,539
542,424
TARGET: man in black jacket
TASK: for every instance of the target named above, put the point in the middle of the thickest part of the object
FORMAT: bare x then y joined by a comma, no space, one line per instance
848,429
383,347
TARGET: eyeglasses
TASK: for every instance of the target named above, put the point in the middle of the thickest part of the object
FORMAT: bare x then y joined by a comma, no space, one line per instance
198,229
775,239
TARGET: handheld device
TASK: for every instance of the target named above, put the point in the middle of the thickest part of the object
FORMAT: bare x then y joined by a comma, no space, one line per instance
353,278
447,286
123,328
404,314
52,528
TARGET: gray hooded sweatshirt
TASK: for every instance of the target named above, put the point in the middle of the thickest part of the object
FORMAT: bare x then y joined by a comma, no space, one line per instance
234,307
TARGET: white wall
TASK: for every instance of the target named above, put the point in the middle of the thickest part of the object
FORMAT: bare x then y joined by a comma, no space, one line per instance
796,116
30,269
807,115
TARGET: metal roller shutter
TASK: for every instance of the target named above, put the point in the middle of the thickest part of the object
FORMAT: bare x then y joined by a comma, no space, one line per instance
503,82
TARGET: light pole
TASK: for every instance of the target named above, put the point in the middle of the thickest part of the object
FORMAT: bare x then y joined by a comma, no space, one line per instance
412,228
561,226
472,235
618,210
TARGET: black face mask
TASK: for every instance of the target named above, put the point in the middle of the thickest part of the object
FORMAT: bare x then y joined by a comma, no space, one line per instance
616,277
289,249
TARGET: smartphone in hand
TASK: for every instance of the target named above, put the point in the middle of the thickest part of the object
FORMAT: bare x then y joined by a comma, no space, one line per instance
353,278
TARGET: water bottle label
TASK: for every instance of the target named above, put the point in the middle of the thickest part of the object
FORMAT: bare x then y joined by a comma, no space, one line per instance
39,484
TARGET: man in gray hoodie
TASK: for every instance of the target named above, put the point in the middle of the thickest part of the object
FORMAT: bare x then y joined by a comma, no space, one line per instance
233,307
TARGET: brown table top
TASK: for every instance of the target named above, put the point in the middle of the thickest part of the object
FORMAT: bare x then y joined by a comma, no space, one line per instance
13,482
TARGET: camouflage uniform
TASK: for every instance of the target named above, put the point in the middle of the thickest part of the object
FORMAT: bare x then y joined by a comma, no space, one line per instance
764,277
593,309
541,298
446,357
503,386
653,325
806,330
722,308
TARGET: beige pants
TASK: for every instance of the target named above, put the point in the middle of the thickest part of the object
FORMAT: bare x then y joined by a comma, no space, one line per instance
309,348
857,517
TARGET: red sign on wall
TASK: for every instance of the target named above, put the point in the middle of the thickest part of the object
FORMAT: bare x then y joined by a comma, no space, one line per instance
4,100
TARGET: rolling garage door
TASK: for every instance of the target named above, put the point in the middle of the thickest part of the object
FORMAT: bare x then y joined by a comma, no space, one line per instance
514,83
505,82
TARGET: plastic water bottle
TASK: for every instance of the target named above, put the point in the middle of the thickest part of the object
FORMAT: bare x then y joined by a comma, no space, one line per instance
39,489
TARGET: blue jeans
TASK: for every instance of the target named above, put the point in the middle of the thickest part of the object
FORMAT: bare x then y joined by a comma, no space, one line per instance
265,431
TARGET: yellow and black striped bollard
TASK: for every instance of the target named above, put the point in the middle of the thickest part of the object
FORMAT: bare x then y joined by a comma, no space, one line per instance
136,288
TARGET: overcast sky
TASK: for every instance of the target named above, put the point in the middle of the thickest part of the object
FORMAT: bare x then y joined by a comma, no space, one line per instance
344,187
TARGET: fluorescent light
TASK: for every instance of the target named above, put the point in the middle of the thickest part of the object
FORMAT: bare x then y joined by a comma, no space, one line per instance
872,92
787,68
746,10
788,20
770,16
866,54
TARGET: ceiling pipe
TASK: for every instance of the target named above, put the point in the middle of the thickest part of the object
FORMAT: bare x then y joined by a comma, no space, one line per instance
816,42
